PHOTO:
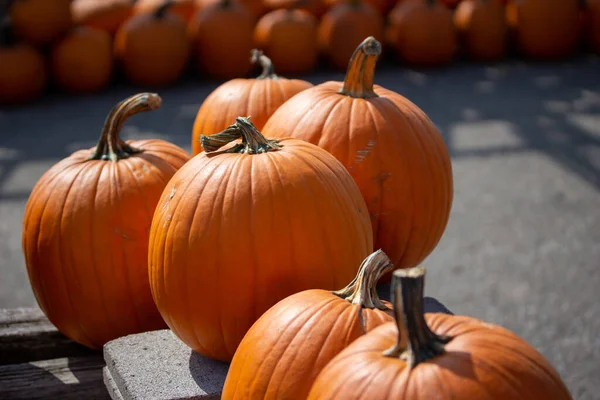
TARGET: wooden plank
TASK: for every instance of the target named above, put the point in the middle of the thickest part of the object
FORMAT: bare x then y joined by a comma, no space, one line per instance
27,335
66,378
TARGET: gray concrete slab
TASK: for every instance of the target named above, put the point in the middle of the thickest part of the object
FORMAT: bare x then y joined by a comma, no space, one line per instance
522,248
158,366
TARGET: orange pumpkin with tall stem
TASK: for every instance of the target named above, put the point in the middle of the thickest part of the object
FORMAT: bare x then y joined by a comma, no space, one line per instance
289,38
257,97
284,351
481,25
436,356
82,61
391,148
219,50
239,229
86,229
39,22
153,49
344,27
421,33
23,74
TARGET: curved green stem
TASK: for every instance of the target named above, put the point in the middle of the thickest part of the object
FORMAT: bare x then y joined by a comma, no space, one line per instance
253,142
258,57
110,147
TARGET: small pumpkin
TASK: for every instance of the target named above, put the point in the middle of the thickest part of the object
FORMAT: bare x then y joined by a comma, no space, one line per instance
289,38
86,229
184,8
258,98
222,38
106,15
315,7
421,33
391,148
242,228
436,356
153,49
284,351
82,61
482,28
22,69
39,22
344,27
545,29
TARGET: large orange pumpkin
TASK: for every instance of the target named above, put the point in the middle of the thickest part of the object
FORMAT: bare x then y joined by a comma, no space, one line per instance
106,15
258,98
289,38
22,69
482,28
219,49
421,33
545,29
391,148
238,230
436,356
39,22
284,351
153,49
184,8
86,230
344,27
82,61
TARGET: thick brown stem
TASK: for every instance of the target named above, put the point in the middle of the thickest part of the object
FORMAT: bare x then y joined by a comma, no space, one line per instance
110,147
253,142
416,342
362,290
361,70
163,8
258,57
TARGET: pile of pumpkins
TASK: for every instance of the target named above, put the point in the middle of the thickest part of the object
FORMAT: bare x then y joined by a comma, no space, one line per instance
264,249
154,41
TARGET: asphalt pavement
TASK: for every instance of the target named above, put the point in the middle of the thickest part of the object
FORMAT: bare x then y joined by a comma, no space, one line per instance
522,248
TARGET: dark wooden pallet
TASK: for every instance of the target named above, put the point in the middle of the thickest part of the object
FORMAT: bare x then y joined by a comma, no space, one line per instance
38,362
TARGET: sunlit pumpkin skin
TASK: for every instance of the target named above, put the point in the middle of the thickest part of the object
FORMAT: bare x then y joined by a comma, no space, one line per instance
545,29
22,70
222,39
153,49
437,356
284,351
344,27
289,38
258,98
106,15
39,22
184,8
391,148
239,230
315,7
255,6
421,33
82,61
86,230
482,28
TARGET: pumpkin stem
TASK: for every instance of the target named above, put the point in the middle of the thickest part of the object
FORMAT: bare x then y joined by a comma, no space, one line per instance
162,9
361,70
362,290
110,147
253,142
416,342
258,57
